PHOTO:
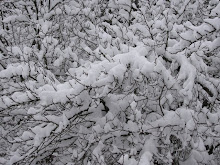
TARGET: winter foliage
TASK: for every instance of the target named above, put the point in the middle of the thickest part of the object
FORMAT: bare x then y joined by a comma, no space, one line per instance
103,82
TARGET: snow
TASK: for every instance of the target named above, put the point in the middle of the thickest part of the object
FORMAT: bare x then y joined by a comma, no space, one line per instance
67,9
107,128
149,148
60,127
115,149
187,74
190,125
45,26
16,70
136,61
3,161
216,10
125,160
16,50
214,44
27,135
109,116
213,118
98,151
215,22
133,105
131,126
42,132
153,67
197,156
65,121
217,128
197,61
138,115
179,117
6,102
118,72
15,158
124,13
97,128
58,11
170,98
20,97
169,80
185,113
10,19
33,110
146,158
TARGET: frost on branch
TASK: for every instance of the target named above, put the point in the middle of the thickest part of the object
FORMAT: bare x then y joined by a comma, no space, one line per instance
109,82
